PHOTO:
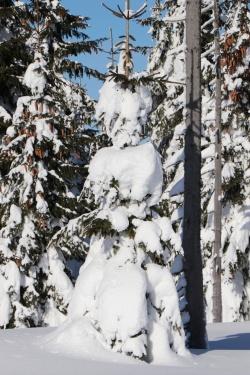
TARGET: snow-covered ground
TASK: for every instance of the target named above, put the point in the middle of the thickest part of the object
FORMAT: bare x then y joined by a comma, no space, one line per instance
34,352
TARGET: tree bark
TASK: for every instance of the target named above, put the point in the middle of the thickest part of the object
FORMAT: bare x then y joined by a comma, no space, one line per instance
127,47
217,298
192,179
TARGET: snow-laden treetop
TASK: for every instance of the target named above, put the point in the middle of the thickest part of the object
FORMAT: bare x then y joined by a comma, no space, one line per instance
124,112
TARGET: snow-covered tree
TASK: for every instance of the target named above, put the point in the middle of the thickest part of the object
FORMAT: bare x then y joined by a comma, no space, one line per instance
235,140
209,140
46,149
13,59
167,122
235,167
167,57
125,289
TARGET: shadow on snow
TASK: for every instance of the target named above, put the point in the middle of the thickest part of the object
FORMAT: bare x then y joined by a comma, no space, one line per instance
239,341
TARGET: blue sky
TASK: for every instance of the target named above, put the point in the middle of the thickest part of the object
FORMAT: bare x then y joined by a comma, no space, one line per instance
100,22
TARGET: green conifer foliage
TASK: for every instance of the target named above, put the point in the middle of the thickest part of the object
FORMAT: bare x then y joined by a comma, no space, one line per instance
46,148
235,156
168,123
14,59
235,141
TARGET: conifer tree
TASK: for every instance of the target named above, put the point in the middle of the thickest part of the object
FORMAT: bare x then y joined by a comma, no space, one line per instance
236,168
46,149
233,27
167,122
235,275
14,59
125,290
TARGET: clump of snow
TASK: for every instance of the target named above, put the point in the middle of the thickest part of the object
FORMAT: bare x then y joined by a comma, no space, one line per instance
159,346
57,277
11,131
15,217
149,233
228,171
35,76
119,218
5,115
124,112
137,170
13,278
5,306
10,283
43,130
79,338
121,306
163,296
83,300
41,204
52,316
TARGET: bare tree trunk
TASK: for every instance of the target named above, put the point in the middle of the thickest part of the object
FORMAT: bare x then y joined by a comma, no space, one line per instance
192,180
127,47
217,298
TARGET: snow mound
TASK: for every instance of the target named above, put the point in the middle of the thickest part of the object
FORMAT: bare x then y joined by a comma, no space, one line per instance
79,338
114,295
163,296
121,303
160,352
84,295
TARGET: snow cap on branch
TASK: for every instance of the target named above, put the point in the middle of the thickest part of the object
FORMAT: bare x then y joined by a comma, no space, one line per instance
124,112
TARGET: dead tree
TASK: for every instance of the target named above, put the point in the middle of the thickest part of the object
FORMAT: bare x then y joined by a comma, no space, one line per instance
125,45
192,179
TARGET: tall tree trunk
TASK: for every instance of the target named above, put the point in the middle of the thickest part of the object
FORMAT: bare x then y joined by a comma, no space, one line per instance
127,46
217,298
192,180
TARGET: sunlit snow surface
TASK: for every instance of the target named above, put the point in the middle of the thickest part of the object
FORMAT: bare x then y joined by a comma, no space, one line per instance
33,352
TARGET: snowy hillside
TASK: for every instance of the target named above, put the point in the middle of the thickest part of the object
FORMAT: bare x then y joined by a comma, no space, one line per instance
25,352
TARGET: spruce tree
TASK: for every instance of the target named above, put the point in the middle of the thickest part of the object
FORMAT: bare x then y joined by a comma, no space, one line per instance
46,149
235,140
14,59
235,112
167,122
125,290
236,152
